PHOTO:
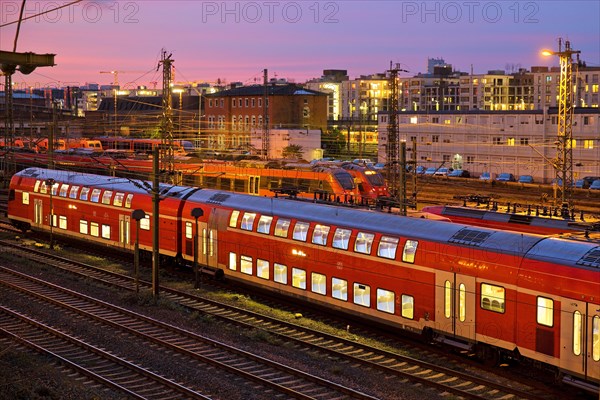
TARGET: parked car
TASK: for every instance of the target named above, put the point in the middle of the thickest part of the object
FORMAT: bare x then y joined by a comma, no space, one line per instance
441,172
459,173
525,179
379,166
595,185
430,171
420,169
579,183
506,177
486,176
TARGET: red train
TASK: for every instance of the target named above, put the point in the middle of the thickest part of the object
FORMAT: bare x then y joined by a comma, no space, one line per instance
497,293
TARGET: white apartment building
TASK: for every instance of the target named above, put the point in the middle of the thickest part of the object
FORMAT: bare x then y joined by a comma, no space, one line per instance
519,142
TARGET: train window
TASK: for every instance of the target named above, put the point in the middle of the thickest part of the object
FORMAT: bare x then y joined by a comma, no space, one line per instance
55,188
128,200
145,223
410,250
36,187
577,333
262,268
106,196
233,219
596,338
299,278
62,222
73,192
118,200
408,306
462,302
43,188
341,238
25,198
280,273
320,234
387,247
246,265
447,299
318,283
339,288
385,300
95,197
300,231
94,229
264,224
363,243
492,298
545,311
188,230
233,261
362,294
84,193
281,227
63,190
83,227
105,231
248,221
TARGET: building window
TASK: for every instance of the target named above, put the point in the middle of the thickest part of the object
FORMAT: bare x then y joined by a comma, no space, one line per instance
385,300
260,102
252,102
497,140
545,311
524,141
510,141
588,144
280,273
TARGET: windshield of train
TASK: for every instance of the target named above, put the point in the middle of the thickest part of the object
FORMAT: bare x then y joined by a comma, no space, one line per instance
344,179
375,178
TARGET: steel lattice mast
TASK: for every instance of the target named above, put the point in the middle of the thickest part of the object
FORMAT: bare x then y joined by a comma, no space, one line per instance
166,126
392,132
265,127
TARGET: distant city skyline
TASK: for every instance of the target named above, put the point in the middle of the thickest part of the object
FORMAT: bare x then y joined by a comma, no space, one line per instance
234,41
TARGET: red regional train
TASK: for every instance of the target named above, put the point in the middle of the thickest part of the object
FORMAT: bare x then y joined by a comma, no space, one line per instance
496,293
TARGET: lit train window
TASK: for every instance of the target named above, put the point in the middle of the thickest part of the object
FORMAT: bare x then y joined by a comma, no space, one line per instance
105,231
364,242
248,221
83,227
128,200
387,247
63,190
246,265
233,219
264,224
410,250
84,193
145,223
262,268
281,227
362,294
95,197
318,283
106,196
299,278
577,333
320,234
62,222
408,306
280,273
545,311
43,188
55,189
462,302
25,198
188,230
233,261
492,298
36,187
118,200
596,338
341,238
300,231
94,229
339,289
447,299
385,301
73,192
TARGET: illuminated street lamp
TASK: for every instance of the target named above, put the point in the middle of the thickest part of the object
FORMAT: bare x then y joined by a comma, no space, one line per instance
196,213
138,215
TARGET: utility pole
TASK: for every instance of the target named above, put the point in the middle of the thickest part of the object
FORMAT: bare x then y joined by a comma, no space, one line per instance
166,126
115,90
155,222
265,127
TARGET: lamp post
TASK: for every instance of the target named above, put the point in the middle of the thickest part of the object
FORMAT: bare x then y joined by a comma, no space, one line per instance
50,184
196,213
138,215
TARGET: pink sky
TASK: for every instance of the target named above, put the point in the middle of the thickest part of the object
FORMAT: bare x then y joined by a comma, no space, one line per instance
236,40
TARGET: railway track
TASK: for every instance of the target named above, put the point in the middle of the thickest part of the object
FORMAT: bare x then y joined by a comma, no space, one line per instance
406,369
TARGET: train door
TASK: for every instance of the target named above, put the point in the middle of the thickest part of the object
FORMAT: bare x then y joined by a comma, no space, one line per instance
455,304
38,213
208,242
580,338
124,230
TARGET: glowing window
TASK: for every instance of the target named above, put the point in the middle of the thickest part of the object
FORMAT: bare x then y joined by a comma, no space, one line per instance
25,198
299,278
64,188
280,273
318,283
83,227
233,219
341,238
264,224
95,197
410,250
246,265
233,261
128,200
462,302
248,221
94,229
362,294
73,192
363,243
545,311
106,196
339,289
262,268
62,222
320,234
189,230
118,200
36,187
577,333
387,247
281,227
447,299
84,193
43,188
385,301
145,223
300,231
105,231
492,298
596,338
55,188
408,306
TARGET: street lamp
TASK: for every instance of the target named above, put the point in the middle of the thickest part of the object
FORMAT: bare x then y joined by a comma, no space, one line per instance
50,184
138,215
196,213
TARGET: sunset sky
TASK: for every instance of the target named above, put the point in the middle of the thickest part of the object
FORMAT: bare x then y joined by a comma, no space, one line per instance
236,40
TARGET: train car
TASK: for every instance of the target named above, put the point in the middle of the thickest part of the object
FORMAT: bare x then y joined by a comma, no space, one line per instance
370,182
136,145
496,293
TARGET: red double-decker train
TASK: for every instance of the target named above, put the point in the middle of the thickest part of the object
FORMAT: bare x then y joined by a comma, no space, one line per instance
496,293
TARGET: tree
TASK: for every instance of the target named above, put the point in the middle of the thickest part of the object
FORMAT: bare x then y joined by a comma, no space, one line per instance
333,142
292,151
